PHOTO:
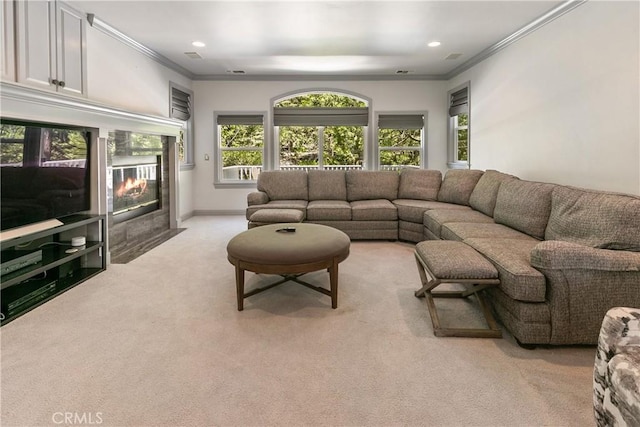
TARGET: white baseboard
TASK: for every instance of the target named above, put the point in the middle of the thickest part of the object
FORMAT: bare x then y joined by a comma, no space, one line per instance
218,212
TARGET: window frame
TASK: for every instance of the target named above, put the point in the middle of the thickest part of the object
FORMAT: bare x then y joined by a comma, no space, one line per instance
452,131
423,138
188,162
321,140
273,146
219,181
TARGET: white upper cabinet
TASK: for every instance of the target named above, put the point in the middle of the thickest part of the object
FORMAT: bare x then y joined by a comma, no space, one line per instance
51,46
7,42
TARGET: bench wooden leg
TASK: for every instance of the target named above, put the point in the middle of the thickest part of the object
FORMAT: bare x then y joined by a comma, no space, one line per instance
430,282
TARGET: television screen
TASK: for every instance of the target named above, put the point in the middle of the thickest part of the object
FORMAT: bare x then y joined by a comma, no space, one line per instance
44,172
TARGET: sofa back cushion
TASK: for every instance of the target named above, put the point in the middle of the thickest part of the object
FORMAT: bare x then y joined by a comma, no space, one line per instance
484,195
457,186
419,184
327,185
284,185
524,205
369,185
595,218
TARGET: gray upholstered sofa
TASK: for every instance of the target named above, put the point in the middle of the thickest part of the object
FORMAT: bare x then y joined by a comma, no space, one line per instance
564,255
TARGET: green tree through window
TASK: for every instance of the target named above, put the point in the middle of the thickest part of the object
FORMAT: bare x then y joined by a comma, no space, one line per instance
327,146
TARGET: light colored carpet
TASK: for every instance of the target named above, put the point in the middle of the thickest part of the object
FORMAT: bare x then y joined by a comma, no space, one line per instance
159,342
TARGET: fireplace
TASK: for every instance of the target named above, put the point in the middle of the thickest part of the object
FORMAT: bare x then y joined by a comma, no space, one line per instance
139,194
136,187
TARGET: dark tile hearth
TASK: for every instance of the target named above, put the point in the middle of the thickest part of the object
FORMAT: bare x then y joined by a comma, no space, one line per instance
134,252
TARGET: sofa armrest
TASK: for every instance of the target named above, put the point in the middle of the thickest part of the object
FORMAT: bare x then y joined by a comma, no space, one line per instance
257,198
560,255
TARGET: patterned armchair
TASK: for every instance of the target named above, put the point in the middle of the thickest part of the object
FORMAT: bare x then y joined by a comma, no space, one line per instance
616,376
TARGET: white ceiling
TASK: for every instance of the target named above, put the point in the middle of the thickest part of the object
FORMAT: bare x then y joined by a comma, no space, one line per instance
283,38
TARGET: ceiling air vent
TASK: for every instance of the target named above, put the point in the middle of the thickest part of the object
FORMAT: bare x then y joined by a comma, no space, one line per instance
453,56
402,72
235,71
193,55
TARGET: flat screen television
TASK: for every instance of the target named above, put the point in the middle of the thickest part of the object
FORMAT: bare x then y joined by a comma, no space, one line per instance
44,172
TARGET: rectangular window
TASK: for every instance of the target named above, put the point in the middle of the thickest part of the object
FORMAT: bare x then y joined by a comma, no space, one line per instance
240,147
181,108
321,137
458,140
461,135
321,147
401,141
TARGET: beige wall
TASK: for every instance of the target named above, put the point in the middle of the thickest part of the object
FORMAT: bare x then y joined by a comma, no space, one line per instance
229,96
562,104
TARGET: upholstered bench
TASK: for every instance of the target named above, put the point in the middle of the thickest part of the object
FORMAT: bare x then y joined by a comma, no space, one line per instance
444,261
275,216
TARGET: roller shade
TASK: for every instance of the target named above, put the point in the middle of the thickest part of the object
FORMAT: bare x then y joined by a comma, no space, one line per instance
459,103
400,121
180,105
302,116
240,119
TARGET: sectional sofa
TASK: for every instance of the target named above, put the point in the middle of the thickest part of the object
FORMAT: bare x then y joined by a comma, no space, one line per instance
564,255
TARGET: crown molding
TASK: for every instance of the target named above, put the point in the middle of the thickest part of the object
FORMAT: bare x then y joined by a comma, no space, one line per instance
551,15
105,28
319,77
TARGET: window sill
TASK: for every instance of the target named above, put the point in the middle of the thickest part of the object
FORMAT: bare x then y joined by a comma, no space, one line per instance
235,184
458,165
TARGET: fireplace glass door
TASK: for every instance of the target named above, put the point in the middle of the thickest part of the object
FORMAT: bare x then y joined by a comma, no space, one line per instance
136,185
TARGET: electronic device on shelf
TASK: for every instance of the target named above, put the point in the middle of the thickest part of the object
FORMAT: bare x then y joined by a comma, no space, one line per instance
16,260
41,292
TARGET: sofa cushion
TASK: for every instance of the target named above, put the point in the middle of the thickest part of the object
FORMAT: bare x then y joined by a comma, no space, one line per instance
373,210
435,218
327,185
419,184
371,185
518,279
273,216
466,230
284,185
329,210
485,193
524,205
458,184
279,204
413,210
595,218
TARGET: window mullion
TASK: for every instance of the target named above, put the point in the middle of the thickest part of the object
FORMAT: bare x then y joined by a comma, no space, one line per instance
320,147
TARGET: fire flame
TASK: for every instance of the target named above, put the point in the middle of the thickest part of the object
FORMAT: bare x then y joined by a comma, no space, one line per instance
132,187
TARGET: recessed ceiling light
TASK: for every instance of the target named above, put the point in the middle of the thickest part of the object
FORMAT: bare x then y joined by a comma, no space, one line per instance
434,44
198,44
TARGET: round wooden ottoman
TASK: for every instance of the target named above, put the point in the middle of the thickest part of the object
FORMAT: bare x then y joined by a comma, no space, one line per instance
289,250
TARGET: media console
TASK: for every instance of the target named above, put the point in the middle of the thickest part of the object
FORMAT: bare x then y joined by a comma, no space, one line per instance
37,267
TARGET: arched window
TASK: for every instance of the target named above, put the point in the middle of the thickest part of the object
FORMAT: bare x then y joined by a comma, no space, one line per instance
320,131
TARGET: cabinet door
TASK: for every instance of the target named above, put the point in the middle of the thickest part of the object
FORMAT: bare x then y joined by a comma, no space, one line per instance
71,48
8,64
36,43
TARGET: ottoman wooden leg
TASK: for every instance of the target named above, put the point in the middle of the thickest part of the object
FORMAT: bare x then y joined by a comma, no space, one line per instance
333,280
240,287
